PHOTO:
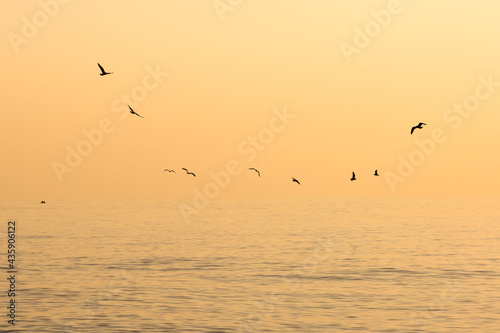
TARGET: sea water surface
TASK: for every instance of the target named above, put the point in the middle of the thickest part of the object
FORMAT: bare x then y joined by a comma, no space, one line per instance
367,265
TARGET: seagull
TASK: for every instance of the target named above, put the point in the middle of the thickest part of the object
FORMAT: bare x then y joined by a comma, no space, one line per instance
42,202
353,176
103,72
418,126
169,170
255,170
133,112
376,173
295,180
189,173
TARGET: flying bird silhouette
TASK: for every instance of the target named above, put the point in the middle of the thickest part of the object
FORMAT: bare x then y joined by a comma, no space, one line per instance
295,181
189,173
353,176
169,170
376,173
418,126
255,170
133,112
103,72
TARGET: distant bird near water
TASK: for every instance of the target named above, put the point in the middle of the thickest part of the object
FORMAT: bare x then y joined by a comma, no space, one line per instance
295,181
169,170
255,170
189,173
418,126
353,176
376,173
103,72
42,202
133,112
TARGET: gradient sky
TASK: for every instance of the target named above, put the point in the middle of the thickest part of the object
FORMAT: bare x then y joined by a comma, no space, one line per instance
228,73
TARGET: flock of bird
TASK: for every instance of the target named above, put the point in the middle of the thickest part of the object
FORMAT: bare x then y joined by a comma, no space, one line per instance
258,173
103,72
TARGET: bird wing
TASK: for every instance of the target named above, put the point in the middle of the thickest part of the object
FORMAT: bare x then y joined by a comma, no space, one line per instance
422,124
412,129
130,108
102,69
255,170
353,175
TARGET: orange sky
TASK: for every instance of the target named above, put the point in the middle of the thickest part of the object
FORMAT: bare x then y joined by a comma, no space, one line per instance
210,81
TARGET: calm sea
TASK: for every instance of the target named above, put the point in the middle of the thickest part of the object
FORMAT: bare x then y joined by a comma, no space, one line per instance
417,265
